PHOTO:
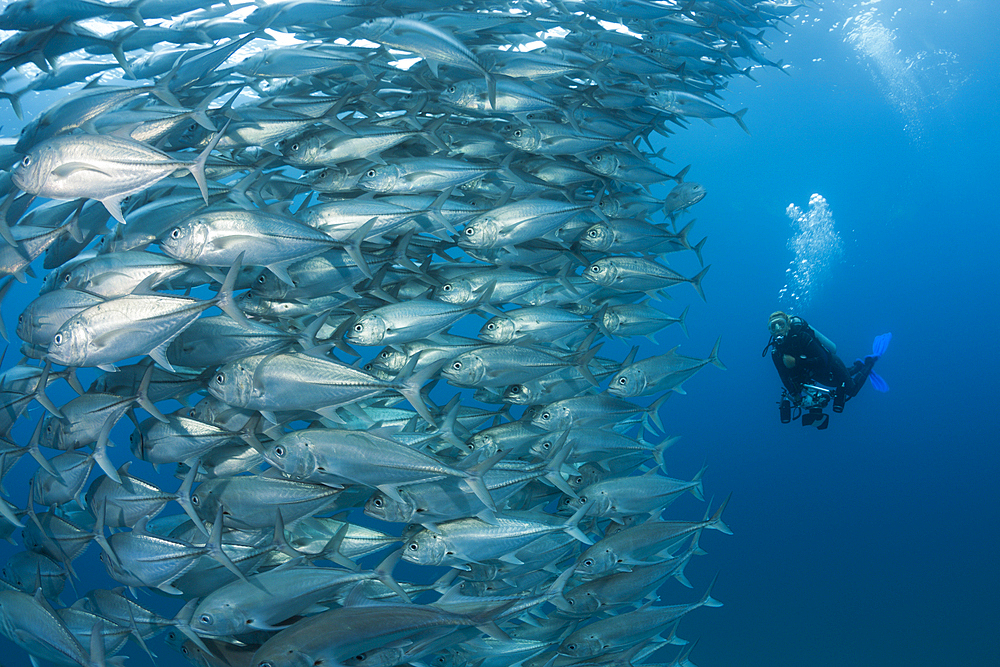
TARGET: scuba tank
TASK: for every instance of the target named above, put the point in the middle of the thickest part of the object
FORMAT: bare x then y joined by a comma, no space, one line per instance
830,346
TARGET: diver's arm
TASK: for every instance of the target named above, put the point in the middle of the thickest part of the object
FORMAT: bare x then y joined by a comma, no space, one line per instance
785,373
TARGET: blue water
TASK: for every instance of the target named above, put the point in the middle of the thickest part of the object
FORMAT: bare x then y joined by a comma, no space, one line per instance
874,542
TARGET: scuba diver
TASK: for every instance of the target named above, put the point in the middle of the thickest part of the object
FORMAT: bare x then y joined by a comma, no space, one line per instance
811,371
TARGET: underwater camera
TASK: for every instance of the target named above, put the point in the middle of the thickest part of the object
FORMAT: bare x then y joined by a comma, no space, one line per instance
809,406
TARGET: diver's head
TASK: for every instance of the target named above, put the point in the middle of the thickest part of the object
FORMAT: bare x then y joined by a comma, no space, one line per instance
778,324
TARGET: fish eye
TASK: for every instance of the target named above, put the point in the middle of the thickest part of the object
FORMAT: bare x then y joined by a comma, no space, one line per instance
67,277
383,355
360,657
377,502
295,147
261,279
598,158
412,546
515,389
58,339
571,601
195,500
583,499
370,173
471,447
589,562
322,174
20,318
279,451
205,619
595,268
457,365
452,89
546,445
446,288
571,647
469,231
26,161
220,378
517,133
359,327
622,380
175,233
592,233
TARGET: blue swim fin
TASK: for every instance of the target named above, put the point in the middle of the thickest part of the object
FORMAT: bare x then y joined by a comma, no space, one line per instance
880,344
878,384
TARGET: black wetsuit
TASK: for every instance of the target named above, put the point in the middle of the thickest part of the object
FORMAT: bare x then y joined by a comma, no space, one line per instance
813,362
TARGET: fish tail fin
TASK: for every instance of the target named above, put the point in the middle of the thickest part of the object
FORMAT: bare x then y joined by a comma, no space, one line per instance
36,453
40,386
183,497
142,396
682,323
15,103
696,282
197,168
214,546
738,117
685,558
384,573
682,236
707,600
571,527
698,490
715,522
713,358
182,621
224,299
474,480
353,246
653,411
331,551
697,250
583,360
658,452
553,474
101,449
411,386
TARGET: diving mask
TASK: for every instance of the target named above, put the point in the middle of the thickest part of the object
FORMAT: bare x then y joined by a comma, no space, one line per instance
778,324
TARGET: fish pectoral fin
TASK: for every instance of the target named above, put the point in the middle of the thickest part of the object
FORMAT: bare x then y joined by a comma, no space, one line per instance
70,168
159,354
281,272
114,206
512,559
330,412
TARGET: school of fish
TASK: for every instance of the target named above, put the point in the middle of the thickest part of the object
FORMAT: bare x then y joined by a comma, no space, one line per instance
270,232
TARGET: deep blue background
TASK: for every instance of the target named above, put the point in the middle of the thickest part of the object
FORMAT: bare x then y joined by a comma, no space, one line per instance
875,542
